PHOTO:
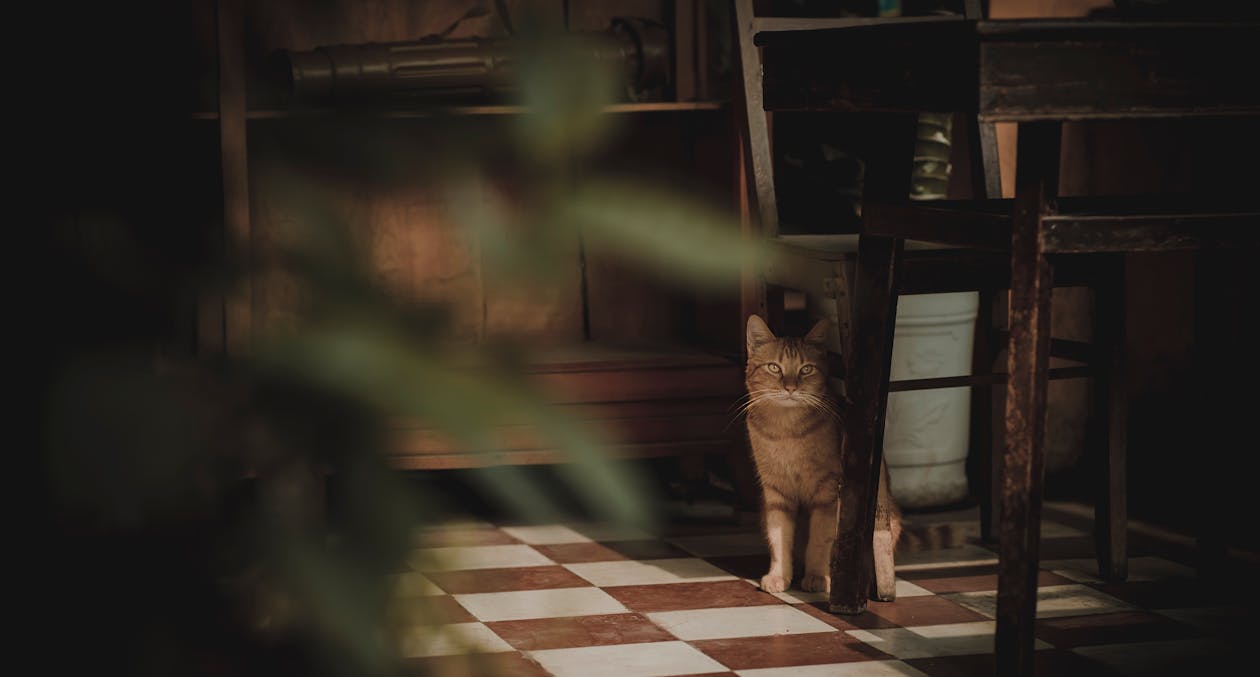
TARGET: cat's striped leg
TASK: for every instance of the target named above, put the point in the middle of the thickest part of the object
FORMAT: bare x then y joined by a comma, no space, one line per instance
822,534
779,519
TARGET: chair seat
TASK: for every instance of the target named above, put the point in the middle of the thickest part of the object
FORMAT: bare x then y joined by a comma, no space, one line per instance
1077,225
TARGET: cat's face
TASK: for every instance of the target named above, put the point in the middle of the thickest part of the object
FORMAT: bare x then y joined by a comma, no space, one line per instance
786,372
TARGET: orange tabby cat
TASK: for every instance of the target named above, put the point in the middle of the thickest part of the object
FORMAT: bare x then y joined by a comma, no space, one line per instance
794,429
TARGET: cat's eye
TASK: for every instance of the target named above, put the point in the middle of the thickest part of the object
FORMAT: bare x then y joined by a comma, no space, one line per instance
807,369
773,368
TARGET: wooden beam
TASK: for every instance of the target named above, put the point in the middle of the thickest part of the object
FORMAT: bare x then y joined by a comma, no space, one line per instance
1084,234
234,152
978,225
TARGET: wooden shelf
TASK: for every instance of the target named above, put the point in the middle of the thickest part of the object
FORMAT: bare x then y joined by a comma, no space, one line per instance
650,402
460,111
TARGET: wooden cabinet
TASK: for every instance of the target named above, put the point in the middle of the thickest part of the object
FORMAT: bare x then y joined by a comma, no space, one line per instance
375,170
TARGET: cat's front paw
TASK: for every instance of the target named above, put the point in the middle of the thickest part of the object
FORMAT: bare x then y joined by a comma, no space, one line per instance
774,583
816,583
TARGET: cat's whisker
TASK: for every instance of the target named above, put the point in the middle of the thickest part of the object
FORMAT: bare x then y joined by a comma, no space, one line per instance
744,400
754,398
821,404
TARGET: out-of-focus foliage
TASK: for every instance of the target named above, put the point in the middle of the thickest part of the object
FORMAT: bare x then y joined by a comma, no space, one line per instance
183,490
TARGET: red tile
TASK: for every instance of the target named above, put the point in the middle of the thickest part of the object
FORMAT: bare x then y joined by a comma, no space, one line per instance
572,553
863,621
575,631
448,538
814,648
505,580
679,596
1122,627
982,582
474,665
925,610
960,571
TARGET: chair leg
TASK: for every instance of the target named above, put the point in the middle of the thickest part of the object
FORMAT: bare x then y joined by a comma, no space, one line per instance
888,151
875,312
1022,463
1216,420
981,451
1111,505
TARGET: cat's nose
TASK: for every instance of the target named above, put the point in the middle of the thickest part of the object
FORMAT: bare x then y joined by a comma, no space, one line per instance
790,387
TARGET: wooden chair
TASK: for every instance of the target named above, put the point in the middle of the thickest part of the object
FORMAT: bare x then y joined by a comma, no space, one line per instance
1036,73
823,266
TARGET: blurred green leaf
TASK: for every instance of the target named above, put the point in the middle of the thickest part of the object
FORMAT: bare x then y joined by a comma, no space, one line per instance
661,231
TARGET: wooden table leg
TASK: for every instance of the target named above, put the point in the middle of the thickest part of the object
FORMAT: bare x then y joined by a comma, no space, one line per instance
875,312
1022,463
1111,515
888,151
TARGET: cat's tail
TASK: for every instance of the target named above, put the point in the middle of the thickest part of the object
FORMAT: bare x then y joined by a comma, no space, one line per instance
920,537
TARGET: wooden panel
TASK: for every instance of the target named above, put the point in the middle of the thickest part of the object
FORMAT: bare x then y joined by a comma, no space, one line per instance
416,441
679,155
1097,69
402,225
595,386
447,461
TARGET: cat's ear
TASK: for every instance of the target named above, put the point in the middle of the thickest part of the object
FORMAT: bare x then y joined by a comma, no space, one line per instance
757,333
818,335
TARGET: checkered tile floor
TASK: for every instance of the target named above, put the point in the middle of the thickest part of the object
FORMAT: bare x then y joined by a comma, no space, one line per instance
582,599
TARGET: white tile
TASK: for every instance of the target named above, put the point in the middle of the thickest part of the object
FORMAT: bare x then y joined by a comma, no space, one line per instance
798,596
627,660
476,557
950,639
904,589
855,669
412,584
649,571
1052,601
450,639
723,545
597,531
514,606
908,589
546,535
963,555
747,621
1167,657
